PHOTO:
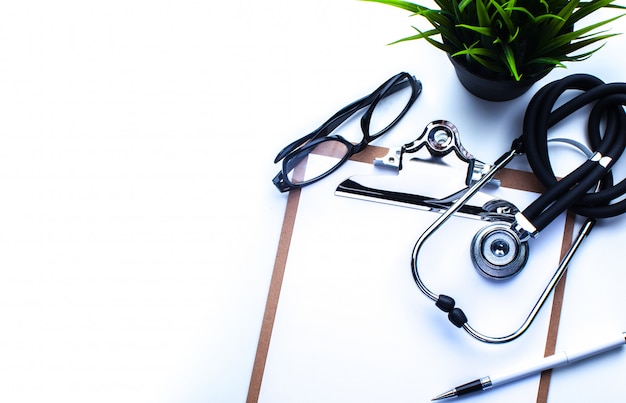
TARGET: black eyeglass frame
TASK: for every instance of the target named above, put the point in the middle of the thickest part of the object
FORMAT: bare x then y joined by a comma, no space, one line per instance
295,152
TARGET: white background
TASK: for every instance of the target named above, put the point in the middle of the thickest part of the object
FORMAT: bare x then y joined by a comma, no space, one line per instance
138,222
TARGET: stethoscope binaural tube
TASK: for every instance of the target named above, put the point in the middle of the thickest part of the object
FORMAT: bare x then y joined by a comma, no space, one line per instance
569,193
572,191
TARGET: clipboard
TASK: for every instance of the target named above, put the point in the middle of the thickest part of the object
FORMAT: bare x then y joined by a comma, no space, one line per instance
511,179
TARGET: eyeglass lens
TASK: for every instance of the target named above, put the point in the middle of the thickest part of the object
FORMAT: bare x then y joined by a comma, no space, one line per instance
388,109
329,147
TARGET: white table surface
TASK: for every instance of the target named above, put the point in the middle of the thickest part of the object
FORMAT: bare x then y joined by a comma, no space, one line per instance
138,222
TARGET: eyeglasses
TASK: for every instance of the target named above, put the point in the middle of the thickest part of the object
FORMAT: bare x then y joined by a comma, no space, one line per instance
380,116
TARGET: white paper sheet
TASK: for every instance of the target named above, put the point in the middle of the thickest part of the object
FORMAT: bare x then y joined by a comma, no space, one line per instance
351,325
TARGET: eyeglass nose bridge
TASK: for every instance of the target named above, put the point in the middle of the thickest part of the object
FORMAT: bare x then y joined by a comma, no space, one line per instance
358,147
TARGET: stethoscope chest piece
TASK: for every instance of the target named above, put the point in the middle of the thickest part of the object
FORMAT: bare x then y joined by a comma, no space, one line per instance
497,252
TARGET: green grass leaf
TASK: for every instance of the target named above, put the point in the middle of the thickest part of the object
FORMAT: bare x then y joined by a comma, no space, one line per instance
485,57
514,37
483,16
510,62
567,38
481,30
504,15
427,36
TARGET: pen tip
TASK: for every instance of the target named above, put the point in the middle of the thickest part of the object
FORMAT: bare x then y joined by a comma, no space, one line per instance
443,396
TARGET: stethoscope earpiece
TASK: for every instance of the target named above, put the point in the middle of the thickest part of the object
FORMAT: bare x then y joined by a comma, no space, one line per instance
497,252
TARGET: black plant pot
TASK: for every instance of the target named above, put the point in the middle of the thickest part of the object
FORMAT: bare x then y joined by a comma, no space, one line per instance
493,89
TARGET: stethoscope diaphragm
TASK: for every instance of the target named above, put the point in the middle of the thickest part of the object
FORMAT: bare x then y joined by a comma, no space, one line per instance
497,252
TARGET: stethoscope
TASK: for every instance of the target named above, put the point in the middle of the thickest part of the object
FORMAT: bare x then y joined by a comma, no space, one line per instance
500,250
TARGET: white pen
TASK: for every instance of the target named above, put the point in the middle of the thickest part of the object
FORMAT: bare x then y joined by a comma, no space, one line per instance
553,361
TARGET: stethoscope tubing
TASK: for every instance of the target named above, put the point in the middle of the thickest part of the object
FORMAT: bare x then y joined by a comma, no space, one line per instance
571,192
471,191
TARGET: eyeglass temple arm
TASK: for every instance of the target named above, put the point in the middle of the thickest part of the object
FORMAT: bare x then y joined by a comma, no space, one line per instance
343,114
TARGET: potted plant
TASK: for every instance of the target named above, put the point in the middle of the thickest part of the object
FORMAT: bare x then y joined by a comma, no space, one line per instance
500,48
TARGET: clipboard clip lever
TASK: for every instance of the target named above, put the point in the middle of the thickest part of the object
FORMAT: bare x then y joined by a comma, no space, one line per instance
433,172
440,138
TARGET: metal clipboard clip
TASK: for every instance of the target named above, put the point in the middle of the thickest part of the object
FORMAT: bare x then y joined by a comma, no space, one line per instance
450,171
